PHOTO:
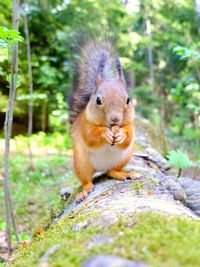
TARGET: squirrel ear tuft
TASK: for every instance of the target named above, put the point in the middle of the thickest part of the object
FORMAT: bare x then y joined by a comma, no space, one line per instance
101,66
99,80
122,80
101,69
120,71
119,68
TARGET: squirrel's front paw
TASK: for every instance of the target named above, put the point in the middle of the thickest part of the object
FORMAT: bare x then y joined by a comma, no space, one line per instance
119,137
108,136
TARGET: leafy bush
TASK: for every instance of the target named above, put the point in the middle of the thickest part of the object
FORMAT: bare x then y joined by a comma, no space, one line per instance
179,160
9,37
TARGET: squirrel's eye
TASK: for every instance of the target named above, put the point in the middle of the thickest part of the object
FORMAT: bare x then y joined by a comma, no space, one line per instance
98,101
127,101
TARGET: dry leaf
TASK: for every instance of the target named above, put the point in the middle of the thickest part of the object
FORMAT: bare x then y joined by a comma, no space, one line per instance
105,193
24,243
149,192
39,230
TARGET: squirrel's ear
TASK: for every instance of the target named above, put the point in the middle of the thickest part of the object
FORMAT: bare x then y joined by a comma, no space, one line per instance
100,70
122,80
99,80
120,72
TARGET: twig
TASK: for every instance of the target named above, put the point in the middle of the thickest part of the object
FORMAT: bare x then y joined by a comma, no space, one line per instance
13,220
179,173
30,111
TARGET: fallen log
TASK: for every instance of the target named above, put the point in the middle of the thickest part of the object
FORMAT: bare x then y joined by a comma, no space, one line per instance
152,221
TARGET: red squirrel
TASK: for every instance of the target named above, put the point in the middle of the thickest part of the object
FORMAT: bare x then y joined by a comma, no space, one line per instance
101,116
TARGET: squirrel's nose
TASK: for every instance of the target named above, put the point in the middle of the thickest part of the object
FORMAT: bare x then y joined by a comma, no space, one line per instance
114,119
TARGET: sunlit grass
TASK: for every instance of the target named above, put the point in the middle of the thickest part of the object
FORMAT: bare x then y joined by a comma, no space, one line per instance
35,192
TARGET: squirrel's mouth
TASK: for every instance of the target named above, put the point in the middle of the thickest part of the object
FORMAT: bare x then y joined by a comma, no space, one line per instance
114,124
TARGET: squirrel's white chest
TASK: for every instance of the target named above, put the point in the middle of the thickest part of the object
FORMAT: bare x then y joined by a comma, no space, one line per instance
107,157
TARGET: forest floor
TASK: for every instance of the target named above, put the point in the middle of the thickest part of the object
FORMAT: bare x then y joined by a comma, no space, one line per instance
35,193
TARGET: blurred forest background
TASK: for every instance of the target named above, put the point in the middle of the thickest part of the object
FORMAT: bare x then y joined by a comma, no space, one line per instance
158,43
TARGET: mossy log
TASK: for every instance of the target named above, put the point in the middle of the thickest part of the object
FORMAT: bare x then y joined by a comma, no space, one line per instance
144,221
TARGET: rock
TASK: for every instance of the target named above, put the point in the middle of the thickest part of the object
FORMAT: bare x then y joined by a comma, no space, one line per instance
154,156
166,177
80,225
184,182
44,260
111,261
192,188
65,193
193,202
141,154
192,191
174,188
106,219
99,241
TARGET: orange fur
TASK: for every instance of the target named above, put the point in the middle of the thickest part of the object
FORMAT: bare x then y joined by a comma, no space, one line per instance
92,133
101,115
128,130
119,175
86,133
120,166
82,165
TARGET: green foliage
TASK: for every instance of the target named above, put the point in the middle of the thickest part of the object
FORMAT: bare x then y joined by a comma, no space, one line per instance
59,117
178,159
34,97
56,140
173,103
9,77
9,37
186,53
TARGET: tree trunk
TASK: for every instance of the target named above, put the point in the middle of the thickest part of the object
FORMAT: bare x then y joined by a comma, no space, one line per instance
8,130
30,112
45,117
150,55
197,10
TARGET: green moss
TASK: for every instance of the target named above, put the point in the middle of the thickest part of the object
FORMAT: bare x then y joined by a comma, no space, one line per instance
138,147
155,135
153,238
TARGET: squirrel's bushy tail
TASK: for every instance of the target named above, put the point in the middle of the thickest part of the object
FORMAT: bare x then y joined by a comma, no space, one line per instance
93,54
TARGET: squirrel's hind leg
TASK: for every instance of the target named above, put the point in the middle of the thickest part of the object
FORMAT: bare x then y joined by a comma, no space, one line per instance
119,175
84,171
117,172
84,193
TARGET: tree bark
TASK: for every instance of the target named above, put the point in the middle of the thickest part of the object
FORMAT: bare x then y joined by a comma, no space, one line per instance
8,130
30,112
150,56
197,10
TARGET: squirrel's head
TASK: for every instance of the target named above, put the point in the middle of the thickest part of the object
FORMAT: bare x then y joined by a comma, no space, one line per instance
111,105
